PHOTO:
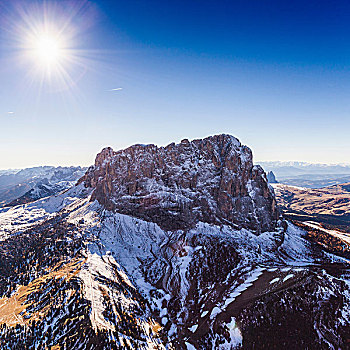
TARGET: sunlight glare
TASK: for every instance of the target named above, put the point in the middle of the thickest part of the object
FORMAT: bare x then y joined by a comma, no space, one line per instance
50,53
48,50
46,42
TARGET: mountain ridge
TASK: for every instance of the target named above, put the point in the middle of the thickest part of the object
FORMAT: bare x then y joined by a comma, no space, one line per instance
211,180
77,273
26,185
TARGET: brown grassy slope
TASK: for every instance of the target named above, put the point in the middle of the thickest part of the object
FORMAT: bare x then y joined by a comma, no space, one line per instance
332,200
328,205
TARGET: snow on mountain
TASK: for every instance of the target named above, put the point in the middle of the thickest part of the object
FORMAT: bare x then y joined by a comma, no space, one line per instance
9,171
211,180
80,270
27,185
307,166
181,275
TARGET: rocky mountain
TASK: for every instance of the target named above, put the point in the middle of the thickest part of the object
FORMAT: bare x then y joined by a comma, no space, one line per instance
302,174
211,180
271,178
26,185
176,247
9,171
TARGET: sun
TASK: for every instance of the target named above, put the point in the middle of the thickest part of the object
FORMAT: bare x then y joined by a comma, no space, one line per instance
48,49
46,40
50,55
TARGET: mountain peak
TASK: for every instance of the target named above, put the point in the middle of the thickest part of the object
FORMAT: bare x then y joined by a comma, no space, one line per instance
211,180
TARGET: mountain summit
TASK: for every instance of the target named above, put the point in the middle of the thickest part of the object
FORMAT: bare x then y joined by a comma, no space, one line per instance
212,180
177,247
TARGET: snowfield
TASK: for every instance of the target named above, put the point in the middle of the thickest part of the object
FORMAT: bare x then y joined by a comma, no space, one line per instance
118,248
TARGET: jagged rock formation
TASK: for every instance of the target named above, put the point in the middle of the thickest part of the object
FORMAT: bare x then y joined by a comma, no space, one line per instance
271,178
155,248
211,180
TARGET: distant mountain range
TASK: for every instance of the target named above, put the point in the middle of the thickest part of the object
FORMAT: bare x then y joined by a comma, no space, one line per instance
26,185
307,174
9,171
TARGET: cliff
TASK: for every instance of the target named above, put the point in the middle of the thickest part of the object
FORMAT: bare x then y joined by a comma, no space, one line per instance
212,180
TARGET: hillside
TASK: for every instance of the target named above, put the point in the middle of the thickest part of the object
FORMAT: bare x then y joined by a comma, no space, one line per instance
329,205
176,247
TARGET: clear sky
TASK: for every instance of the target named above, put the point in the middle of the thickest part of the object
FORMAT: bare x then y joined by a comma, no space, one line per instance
276,74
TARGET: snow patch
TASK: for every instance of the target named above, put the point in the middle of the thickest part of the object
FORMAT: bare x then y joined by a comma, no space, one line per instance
288,277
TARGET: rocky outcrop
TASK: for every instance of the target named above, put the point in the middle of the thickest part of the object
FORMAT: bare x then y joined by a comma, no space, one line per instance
211,180
271,178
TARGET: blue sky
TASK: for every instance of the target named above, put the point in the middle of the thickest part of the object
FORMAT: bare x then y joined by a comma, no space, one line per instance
273,73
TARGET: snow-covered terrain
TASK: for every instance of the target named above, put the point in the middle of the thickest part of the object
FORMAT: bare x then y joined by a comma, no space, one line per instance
119,247
27,185
78,274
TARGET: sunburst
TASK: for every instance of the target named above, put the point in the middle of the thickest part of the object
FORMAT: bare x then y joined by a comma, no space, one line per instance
46,40
48,49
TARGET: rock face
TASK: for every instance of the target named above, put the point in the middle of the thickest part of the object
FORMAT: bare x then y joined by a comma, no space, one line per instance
212,180
271,178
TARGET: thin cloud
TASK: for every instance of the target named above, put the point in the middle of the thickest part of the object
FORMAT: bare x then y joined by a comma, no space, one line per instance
10,112
116,89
